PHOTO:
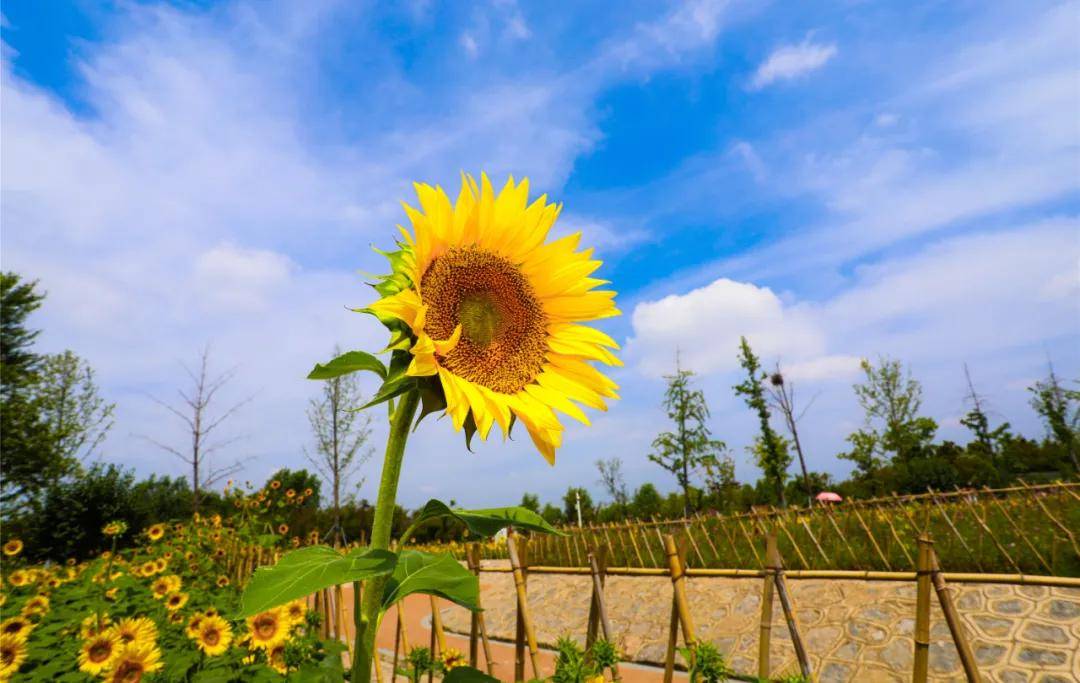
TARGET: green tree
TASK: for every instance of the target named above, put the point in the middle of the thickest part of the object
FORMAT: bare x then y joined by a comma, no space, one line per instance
770,449
647,502
552,514
570,501
685,451
78,418
530,501
894,430
1060,411
988,442
611,478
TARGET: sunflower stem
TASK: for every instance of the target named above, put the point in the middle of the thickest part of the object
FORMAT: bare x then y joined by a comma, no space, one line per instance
367,620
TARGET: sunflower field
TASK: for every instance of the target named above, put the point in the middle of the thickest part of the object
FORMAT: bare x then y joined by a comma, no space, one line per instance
162,603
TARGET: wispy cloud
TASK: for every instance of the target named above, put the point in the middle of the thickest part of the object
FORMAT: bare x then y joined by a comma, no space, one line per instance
792,61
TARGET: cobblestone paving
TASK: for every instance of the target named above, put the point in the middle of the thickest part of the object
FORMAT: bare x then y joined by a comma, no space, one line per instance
853,630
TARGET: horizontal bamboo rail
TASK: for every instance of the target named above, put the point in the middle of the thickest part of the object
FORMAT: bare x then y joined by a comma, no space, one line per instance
850,574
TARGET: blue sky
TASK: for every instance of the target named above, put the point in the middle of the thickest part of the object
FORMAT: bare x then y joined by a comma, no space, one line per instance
835,181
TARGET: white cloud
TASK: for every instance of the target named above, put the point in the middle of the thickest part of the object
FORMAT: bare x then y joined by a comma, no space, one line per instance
469,44
823,368
231,278
791,61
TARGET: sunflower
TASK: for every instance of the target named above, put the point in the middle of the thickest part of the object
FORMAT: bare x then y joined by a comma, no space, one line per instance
114,528
12,654
213,636
176,601
39,604
98,652
93,625
222,581
211,611
161,587
13,547
136,630
133,662
18,578
490,312
268,629
283,529
295,610
160,564
155,532
275,657
452,659
17,627
148,568
275,484
290,493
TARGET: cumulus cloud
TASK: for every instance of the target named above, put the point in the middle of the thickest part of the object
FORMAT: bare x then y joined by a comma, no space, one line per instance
792,61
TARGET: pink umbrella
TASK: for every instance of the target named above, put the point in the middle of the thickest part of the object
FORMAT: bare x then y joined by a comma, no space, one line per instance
828,497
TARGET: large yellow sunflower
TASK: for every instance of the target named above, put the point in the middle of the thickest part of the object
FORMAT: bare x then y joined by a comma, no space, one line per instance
492,310
133,662
13,547
16,627
268,628
213,636
99,652
136,630
12,654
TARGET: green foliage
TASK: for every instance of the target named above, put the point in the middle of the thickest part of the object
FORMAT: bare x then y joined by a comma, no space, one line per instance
353,361
570,503
687,450
483,523
418,663
531,501
706,663
302,572
647,502
1060,409
573,664
467,674
770,449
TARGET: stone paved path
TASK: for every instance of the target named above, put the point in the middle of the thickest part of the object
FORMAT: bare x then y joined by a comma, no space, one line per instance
854,630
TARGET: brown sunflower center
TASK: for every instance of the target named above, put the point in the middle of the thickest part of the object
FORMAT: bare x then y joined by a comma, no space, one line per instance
7,655
266,627
100,651
503,326
211,636
129,672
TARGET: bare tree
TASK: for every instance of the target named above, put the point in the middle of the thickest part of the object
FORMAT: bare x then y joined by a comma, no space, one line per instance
341,433
782,398
611,477
196,412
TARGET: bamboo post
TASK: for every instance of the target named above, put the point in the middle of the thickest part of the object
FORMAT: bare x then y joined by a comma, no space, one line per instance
720,522
1054,520
765,629
922,609
817,545
772,552
676,567
524,617
705,534
401,625
693,543
478,618
597,559
993,536
899,542
956,532
750,541
836,527
952,618
673,628
436,623
870,535
431,649
597,568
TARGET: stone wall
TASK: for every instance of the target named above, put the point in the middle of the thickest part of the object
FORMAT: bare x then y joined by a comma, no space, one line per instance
853,630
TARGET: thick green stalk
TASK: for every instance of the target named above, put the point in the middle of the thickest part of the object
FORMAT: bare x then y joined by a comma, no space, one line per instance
367,621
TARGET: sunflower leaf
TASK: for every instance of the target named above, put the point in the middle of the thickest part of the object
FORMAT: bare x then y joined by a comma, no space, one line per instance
467,674
302,572
353,361
486,522
441,575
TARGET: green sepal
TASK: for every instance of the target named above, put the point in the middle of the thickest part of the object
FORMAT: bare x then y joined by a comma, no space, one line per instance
353,361
432,397
470,431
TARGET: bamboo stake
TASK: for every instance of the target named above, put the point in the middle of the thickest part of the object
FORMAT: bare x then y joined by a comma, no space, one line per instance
784,527
993,536
750,541
478,621
1016,529
524,616
436,623
730,539
1054,520
873,540
952,618
922,609
772,552
708,537
816,544
401,625
693,543
836,527
956,532
593,623
598,600
672,643
765,628
678,581
896,537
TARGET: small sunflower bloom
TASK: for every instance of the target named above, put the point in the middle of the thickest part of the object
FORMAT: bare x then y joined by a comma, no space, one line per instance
13,547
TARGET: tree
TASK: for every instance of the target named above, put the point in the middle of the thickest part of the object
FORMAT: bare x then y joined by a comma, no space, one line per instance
646,502
611,478
570,503
30,457
198,415
770,449
341,433
782,398
685,451
78,418
989,440
1060,410
891,400
530,501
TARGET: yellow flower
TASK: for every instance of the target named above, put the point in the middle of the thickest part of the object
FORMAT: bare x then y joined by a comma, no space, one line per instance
295,610
39,604
213,636
176,601
18,578
155,532
268,629
114,528
89,626
136,630
489,308
283,529
98,652
13,547
12,655
161,587
17,627
275,484
275,657
598,678
133,662
222,581
451,658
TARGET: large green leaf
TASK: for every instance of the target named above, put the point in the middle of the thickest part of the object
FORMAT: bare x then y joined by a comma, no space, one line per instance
353,361
487,522
441,575
467,674
302,572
